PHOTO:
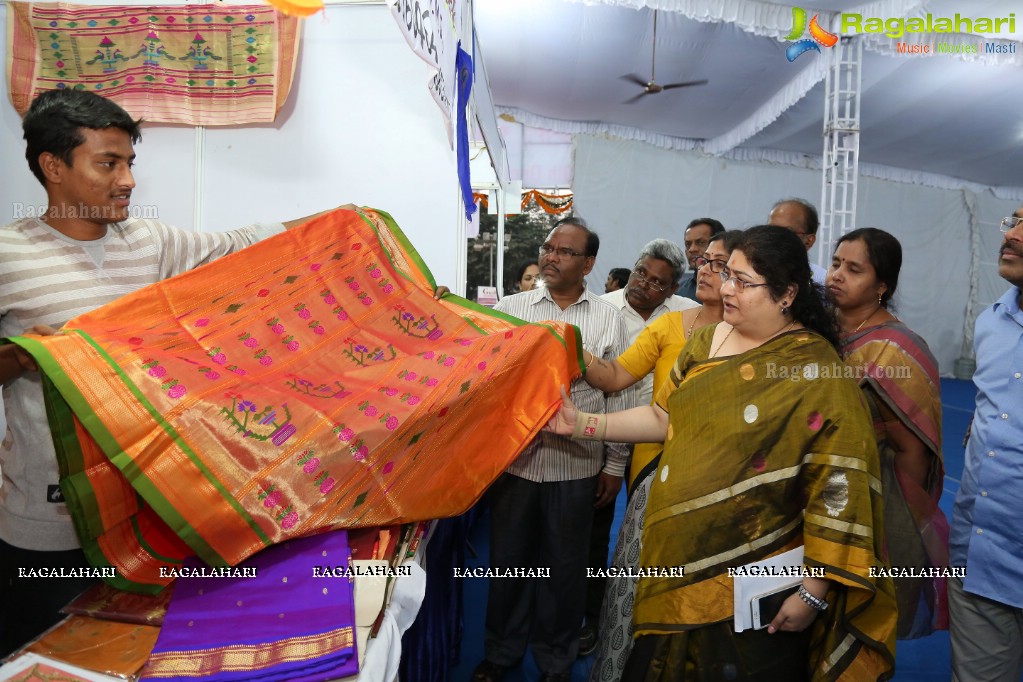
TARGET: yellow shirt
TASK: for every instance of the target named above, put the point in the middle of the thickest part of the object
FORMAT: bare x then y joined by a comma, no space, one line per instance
656,348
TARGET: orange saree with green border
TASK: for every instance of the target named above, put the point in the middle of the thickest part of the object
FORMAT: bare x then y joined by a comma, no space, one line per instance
306,383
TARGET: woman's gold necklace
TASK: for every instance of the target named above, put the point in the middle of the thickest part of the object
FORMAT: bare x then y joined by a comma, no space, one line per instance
781,331
714,353
689,334
865,320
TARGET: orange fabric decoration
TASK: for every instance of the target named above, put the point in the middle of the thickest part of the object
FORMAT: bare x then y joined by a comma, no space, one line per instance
298,8
551,203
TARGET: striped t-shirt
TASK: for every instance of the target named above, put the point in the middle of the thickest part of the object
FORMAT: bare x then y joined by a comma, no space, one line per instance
47,278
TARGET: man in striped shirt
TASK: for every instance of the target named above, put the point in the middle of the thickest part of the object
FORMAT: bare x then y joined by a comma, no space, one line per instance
84,252
542,506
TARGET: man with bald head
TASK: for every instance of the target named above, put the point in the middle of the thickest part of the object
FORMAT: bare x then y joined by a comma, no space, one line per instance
800,217
697,236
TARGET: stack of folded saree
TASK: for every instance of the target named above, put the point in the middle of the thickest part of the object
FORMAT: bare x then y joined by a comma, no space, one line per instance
284,620
109,603
112,649
307,383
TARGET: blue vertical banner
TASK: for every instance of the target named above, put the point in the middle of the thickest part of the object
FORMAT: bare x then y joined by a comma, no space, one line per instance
463,68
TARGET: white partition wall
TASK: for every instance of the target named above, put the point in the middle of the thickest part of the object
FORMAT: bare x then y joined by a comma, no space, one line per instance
359,126
631,192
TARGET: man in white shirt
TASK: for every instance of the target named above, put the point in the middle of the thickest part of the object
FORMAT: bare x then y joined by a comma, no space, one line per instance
84,252
650,293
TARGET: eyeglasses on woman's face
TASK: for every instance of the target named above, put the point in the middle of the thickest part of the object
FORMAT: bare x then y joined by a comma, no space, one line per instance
739,284
715,265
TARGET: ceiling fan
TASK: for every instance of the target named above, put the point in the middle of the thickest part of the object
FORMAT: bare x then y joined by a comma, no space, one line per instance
652,87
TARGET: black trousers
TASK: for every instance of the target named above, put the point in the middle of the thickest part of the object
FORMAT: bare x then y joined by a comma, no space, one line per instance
716,652
545,526
600,543
29,606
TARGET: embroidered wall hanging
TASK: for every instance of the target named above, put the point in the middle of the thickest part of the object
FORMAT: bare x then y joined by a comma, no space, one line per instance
195,65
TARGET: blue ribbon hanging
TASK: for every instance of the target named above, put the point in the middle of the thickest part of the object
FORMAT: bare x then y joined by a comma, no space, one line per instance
463,67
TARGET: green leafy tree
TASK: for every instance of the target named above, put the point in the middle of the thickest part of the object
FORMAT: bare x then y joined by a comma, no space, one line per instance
524,233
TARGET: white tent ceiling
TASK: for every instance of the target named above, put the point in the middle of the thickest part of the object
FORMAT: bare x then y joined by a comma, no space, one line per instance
560,63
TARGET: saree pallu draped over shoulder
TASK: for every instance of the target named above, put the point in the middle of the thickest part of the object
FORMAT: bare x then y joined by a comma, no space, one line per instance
306,383
753,466
897,371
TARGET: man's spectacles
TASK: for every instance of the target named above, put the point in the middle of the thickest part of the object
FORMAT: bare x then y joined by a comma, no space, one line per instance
562,251
1009,223
739,284
640,278
715,265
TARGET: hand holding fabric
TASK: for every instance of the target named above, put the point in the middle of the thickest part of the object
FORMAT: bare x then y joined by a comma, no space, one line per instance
563,423
15,360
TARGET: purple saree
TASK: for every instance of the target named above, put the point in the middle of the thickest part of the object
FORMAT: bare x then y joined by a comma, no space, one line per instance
286,623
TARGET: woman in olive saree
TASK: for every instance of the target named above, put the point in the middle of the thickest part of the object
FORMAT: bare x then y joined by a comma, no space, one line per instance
656,350
765,451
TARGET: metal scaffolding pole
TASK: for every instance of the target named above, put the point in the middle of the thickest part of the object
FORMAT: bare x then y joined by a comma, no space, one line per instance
841,157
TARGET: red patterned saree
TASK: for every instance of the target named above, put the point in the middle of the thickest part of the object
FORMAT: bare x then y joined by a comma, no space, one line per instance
306,383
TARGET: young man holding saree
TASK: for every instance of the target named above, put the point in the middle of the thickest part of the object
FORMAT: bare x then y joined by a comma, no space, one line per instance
84,252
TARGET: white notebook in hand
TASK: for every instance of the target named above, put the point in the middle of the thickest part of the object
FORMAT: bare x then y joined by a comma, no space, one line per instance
758,587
